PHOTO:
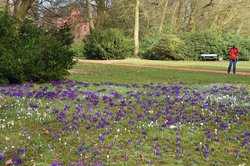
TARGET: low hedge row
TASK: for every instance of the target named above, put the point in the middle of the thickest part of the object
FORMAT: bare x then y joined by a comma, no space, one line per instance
189,45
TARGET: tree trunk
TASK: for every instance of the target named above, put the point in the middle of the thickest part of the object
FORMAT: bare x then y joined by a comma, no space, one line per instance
7,6
214,24
240,27
163,16
230,17
16,5
188,13
195,12
21,8
180,14
173,20
136,28
100,9
90,15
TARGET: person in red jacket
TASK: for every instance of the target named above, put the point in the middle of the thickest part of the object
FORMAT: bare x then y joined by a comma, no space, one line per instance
233,58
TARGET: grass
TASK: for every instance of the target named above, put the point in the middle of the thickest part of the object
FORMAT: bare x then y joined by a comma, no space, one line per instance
107,73
78,48
213,65
116,115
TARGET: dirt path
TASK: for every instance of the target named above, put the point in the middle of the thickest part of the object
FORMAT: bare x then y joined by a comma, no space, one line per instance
160,67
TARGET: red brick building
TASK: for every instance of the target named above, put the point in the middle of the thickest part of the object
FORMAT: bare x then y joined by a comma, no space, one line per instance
80,27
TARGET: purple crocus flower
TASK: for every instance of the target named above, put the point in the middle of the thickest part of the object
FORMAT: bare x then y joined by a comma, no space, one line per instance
80,149
157,153
50,148
75,117
2,158
178,139
57,163
130,141
101,137
208,134
62,115
130,122
138,143
125,157
33,105
17,161
155,139
197,149
98,164
206,154
95,120
245,141
88,127
55,111
96,152
79,108
20,151
236,151
247,134
207,146
66,108
139,116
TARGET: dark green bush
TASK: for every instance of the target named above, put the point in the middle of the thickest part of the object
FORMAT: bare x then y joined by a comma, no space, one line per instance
244,47
107,44
29,53
242,43
190,45
50,52
78,48
209,42
169,47
149,40
205,42
9,68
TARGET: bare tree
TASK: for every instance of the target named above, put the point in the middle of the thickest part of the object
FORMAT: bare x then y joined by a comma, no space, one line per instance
136,28
90,15
163,15
179,17
21,8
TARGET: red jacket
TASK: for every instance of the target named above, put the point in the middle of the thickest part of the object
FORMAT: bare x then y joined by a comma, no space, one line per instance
233,53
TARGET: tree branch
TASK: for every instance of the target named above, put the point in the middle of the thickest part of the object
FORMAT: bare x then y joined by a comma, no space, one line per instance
209,4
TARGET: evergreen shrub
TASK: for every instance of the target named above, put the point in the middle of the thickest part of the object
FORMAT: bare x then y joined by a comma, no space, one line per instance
29,53
190,45
202,42
168,47
149,40
9,68
107,44
242,43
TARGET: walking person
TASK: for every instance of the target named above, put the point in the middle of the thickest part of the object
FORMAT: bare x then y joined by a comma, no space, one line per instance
233,58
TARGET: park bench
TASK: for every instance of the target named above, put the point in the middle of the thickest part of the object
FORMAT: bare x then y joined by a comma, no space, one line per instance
209,57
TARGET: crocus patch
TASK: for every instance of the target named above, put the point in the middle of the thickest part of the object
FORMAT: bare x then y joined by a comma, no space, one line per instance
77,123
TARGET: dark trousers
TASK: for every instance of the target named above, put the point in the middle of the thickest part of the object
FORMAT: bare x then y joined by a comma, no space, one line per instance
232,62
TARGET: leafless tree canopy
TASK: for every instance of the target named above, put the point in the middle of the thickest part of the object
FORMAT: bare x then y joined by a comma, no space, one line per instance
175,15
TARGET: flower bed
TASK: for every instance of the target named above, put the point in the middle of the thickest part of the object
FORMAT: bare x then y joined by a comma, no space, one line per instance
77,123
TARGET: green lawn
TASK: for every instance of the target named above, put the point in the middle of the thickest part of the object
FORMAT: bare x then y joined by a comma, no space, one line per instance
113,115
213,65
90,72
